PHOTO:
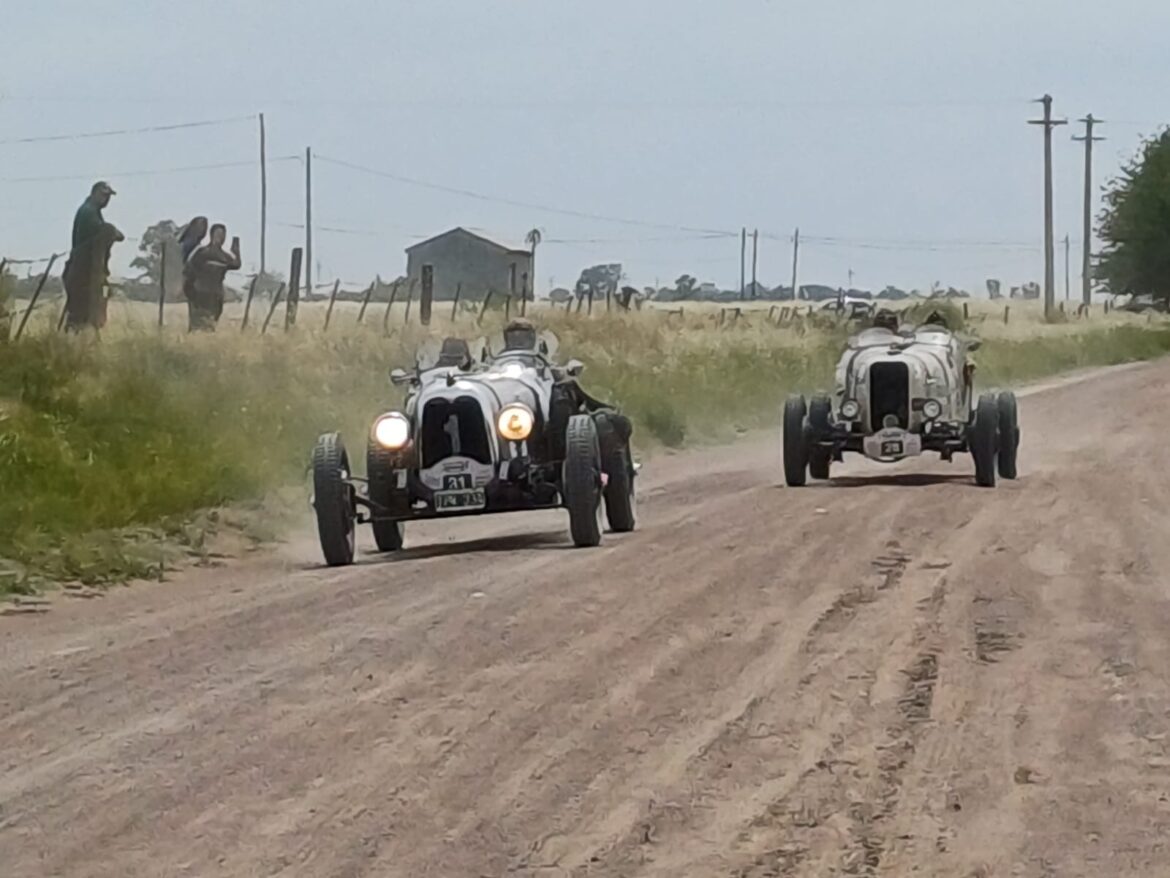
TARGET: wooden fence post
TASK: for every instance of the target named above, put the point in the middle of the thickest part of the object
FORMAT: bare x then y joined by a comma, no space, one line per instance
332,299
389,305
248,301
162,283
426,295
507,307
294,288
409,301
36,295
369,294
455,304
1007,310
272,309
487,300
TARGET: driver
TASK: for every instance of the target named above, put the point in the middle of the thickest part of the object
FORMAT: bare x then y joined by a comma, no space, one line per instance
886,319
520,335
935,318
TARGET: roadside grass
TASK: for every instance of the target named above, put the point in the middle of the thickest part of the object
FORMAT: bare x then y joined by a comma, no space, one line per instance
120,457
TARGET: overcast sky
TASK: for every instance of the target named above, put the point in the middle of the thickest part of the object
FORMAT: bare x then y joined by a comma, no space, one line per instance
892,132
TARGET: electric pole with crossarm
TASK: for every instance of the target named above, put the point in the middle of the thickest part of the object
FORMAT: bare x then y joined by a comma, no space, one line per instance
1049,243
1087,244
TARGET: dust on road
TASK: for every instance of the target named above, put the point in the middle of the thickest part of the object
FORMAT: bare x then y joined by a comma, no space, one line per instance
898,673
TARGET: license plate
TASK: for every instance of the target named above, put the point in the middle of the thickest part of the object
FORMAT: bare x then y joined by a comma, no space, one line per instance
892,444
459,501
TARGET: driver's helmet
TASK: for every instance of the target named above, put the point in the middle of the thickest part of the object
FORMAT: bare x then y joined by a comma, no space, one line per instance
455,352
520,335
886,319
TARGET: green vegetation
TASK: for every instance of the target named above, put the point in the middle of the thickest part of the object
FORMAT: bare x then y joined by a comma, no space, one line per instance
1135,224
112,452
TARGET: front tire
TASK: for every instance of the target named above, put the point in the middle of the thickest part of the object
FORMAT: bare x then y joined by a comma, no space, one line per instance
388,535
985,440
1009,434
618,466
333,500
795,443
581,481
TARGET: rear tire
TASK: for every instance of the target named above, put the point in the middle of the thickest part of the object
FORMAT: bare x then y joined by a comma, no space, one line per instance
616,463
333,500
581,481
984,439
1009,434
795,443
388,535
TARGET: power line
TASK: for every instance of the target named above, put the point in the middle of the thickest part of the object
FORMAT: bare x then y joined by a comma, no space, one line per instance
123,131
147,173
479,196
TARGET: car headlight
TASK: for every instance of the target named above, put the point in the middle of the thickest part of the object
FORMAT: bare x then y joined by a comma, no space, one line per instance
850,409
515,422
932,408
392,431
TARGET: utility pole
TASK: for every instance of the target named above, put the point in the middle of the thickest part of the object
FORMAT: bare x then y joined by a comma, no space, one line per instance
1049,244
1067,275
851,278
795,259
755,243
263,196
308,221
742,259
1087,244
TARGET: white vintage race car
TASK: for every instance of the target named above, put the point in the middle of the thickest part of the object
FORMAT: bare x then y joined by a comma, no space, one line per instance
505,431
899,394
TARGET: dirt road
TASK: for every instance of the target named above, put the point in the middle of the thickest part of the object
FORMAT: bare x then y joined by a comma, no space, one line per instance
895,674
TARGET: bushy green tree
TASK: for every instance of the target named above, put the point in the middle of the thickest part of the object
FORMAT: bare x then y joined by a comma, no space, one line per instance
1135,224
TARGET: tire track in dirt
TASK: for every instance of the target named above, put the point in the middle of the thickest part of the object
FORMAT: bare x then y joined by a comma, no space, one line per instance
883,675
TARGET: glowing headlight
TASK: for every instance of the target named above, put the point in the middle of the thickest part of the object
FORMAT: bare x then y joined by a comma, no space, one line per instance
392,431
932,408
515,422
850,409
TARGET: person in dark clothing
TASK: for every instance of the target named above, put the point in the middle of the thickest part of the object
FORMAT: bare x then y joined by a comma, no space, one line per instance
203,277
87,268
192,236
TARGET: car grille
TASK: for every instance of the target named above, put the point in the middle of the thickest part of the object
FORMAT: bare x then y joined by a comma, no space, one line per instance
889,395
454,427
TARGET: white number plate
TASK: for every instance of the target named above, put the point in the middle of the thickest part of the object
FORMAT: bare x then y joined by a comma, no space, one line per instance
893,444
460,501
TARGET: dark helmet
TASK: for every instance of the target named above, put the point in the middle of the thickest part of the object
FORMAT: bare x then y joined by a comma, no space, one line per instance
520,335
886,319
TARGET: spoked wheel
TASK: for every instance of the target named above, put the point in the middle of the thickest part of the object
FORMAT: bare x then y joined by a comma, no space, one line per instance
333,500
618,466
388,535
795,442
581,480
984,440
1009,434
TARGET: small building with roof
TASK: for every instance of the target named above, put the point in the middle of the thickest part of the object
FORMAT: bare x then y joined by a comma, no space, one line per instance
461,258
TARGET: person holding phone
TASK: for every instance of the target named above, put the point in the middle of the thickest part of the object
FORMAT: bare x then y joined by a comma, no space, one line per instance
205,270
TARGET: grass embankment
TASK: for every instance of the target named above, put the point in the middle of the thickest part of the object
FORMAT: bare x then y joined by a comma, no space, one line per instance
109,449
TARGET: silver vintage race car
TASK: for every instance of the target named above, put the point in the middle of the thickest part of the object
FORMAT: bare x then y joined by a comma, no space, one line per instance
503,431
901,392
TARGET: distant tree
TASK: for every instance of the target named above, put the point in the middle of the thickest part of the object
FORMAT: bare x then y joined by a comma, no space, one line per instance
1135,224
685,286
163,234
